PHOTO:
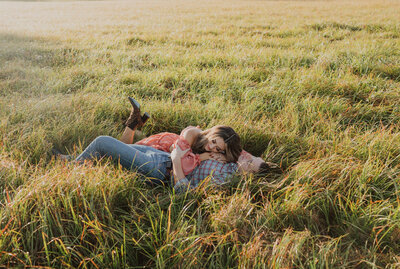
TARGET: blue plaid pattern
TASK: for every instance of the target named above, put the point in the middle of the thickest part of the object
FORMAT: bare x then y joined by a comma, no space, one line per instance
219,172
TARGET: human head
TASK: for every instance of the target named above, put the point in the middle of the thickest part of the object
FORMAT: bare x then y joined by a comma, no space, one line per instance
221,139
250,164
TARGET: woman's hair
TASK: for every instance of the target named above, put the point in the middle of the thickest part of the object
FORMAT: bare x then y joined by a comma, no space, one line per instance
230,137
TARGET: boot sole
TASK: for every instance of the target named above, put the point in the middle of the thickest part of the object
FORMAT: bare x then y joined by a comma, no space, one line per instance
134,103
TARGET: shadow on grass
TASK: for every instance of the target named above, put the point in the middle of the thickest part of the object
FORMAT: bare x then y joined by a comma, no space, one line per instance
38,52
31,66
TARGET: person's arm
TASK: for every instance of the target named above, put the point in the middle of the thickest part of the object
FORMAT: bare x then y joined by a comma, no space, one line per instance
190,134
177,170
205,156
218,157
180,181
127,136
176,156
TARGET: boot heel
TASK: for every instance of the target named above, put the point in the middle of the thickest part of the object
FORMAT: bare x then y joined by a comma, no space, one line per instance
145,117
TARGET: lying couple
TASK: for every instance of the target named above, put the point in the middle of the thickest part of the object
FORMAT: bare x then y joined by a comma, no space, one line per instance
183,160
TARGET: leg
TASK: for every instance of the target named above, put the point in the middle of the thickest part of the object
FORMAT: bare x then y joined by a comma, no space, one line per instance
128,135
151,163
134,121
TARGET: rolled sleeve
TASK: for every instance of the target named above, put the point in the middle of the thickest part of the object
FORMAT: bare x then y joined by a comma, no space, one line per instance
182,185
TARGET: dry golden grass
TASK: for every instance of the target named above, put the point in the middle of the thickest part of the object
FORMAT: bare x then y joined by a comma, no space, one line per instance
311,85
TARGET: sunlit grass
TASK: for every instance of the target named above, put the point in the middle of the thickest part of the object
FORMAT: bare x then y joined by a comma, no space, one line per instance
310,85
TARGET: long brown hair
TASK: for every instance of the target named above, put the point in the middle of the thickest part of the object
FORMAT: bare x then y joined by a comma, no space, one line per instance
230,137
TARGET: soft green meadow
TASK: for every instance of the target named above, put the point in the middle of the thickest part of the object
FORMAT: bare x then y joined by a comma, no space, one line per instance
313,86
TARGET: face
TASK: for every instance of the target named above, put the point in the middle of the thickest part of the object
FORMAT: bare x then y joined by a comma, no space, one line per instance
215,144
249,163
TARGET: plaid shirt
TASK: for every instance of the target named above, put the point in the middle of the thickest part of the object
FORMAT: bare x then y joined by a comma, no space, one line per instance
218,172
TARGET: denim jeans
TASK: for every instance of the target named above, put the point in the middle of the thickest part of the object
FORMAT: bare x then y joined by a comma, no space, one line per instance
146,160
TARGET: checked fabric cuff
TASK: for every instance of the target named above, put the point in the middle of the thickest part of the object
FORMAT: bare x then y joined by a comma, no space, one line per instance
182,185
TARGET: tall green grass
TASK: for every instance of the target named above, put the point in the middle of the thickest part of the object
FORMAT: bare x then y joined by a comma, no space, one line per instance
305,86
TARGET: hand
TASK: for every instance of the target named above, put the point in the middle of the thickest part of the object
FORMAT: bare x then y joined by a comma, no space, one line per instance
177,153
212,156
205,156
218,157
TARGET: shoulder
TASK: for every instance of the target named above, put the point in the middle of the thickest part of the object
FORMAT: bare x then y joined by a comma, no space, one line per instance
190,133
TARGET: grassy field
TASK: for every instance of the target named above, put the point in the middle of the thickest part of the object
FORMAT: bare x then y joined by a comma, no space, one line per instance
311,85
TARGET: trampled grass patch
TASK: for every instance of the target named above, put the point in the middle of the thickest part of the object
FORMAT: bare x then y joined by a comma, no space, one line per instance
310,88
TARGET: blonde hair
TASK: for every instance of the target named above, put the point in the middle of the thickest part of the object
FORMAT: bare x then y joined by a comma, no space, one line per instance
230,137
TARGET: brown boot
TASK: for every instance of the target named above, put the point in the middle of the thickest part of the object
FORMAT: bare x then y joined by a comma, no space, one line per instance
135,120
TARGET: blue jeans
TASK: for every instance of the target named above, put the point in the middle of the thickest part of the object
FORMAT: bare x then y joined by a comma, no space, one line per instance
146,160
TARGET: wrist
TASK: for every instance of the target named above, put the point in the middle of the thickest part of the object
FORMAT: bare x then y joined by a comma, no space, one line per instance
176,162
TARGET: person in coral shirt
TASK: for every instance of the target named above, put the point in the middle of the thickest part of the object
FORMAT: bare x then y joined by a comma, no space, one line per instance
200,145
164,167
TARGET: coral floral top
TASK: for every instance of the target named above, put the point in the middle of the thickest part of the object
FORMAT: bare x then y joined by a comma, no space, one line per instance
164,141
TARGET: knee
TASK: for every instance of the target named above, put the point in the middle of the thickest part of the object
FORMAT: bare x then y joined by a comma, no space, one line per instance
102,140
